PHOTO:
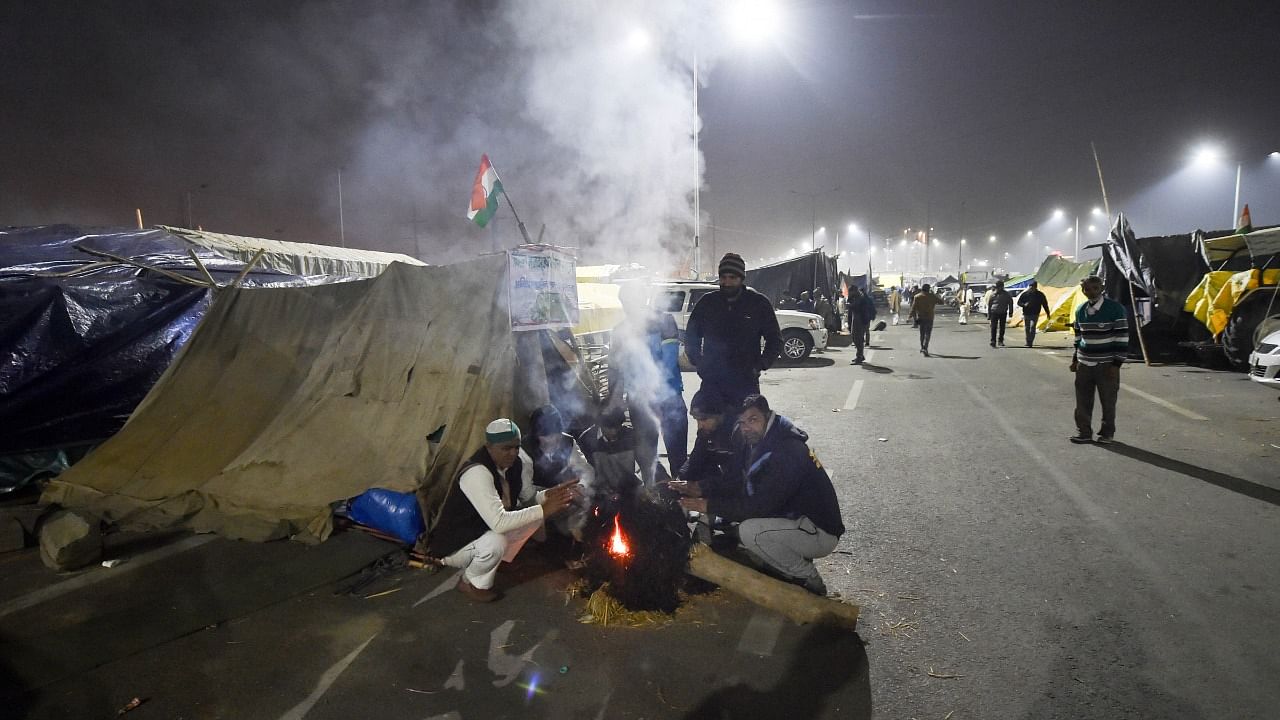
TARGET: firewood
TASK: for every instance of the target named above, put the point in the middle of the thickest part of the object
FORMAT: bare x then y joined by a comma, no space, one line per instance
790,600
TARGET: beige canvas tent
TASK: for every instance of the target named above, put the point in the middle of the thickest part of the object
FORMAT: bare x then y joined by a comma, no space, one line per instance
289,399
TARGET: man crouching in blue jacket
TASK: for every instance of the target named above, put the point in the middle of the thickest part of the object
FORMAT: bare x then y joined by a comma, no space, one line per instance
784,502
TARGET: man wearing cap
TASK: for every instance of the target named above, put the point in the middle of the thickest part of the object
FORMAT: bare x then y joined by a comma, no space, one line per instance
1032,301
724,332
713,449
490,512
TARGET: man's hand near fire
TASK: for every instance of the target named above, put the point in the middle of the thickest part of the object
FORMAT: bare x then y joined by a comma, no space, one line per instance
687,488
556,499
694,504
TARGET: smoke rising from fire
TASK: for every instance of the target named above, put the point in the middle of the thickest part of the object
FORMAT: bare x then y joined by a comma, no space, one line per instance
242,118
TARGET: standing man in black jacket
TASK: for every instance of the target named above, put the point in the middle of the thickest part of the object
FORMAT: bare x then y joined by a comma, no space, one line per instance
783,500
724,332
1032,301
999,310
862,310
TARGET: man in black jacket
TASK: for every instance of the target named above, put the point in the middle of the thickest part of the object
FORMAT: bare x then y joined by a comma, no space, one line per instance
862,310
1032,301
782,498
999,310
723,336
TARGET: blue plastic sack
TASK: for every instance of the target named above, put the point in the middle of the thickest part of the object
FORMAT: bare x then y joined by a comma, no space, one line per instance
394,513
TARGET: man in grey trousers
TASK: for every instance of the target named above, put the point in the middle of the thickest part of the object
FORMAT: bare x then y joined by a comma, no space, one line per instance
781,497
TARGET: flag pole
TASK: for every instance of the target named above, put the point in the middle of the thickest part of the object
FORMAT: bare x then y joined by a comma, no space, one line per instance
524,232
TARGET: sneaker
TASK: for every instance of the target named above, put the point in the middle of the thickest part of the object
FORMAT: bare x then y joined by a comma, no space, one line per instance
1105,440
1001,343
1082,438
476,594
857,361
926,353
993,344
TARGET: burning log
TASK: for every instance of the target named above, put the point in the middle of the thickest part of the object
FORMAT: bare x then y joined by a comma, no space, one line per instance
790,600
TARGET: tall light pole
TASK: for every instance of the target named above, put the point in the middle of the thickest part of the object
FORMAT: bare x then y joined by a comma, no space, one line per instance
813,213
697,178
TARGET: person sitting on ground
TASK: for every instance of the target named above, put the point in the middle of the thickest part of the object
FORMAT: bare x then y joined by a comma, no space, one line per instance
555,458
610,448
785,504
490,512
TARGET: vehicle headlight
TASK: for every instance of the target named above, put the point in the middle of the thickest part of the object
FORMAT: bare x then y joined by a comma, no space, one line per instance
814,324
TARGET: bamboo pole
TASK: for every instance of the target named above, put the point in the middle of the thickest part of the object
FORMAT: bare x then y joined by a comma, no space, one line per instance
252,261
203,270
1133,300
139,211
794,602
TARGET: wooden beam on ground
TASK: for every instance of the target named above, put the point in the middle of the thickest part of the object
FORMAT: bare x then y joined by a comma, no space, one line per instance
790,600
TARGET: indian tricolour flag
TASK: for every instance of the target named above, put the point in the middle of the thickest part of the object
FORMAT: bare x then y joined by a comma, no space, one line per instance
484,194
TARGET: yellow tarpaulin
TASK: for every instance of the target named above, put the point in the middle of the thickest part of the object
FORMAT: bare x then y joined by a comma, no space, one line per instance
598,308
1062,305
1213,300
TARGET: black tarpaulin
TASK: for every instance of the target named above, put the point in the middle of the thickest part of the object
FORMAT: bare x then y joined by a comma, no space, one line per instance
801,274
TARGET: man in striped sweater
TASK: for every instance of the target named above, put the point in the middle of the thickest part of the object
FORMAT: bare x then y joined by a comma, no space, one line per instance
1102,344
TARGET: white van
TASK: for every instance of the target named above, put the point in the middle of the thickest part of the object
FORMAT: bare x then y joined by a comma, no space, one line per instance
802,332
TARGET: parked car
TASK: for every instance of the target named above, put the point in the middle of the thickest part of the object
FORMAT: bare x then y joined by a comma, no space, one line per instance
1264,361
802,332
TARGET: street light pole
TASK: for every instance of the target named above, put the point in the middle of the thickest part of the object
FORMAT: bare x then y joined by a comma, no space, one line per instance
697,178
1235,209
1076,257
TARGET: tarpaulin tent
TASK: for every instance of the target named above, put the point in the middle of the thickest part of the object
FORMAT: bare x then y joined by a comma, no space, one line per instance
800,274
289,399
1059,280
1214,299
90,317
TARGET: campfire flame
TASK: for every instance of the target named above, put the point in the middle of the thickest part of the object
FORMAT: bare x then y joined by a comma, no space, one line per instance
618,542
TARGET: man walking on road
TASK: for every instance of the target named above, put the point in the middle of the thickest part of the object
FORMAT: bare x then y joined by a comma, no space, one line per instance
999,310
1102,344
724,334
861,312
1032,301
923,304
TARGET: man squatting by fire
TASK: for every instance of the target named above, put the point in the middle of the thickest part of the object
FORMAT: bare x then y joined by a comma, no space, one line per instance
491,511
770,483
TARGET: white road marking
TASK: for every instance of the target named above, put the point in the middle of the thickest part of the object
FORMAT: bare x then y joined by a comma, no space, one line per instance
761,634
442,588
326,681
868,355
1048,352
456,681
1164,403
852,401
98,575
503,664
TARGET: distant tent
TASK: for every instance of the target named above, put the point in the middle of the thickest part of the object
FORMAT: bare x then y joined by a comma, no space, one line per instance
287,400
1059,280
800,274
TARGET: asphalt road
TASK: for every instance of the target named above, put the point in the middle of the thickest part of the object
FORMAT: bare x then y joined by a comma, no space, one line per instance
1002,572
1138,580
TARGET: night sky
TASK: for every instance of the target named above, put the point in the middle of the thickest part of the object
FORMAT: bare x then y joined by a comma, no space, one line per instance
972,117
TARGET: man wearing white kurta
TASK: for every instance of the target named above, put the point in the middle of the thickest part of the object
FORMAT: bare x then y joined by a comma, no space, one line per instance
490,512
